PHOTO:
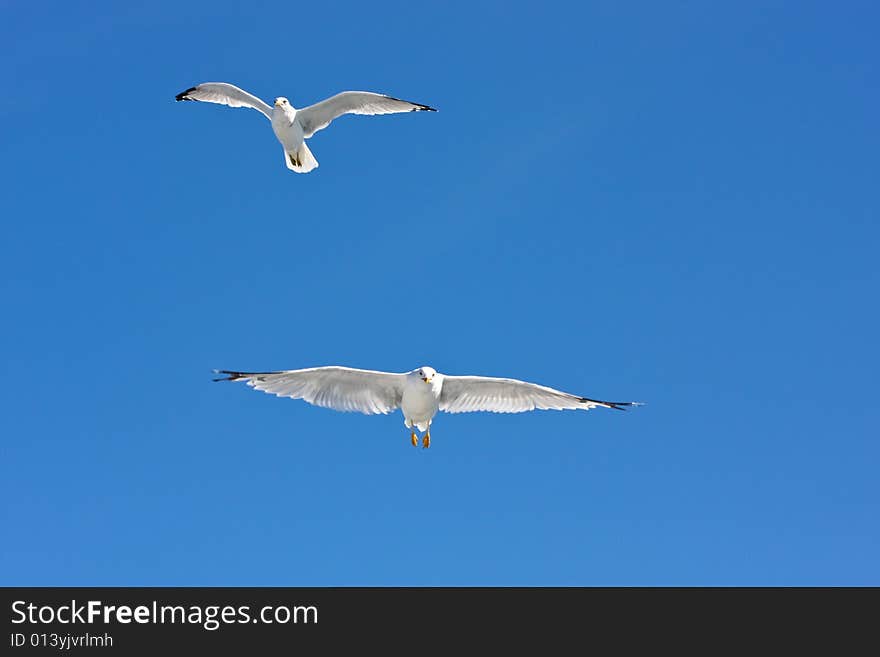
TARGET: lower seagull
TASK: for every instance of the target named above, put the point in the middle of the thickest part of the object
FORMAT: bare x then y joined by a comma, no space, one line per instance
419,394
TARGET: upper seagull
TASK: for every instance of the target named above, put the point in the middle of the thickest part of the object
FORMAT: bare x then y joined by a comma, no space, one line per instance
293,126
419,393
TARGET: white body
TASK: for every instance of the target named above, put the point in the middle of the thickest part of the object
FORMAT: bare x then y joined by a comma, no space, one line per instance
289,130
421,399
286,127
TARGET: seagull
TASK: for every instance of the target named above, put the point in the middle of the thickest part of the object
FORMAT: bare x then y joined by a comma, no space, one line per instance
293,126
419,394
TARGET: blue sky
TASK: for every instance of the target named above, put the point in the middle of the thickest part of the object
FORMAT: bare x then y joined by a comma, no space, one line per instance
674,204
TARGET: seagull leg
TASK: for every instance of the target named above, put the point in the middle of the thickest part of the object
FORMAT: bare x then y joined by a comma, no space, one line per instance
414,439
426,439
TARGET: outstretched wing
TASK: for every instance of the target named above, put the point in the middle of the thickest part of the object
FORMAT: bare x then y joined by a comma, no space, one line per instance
223,93
318,116
463,394
339,388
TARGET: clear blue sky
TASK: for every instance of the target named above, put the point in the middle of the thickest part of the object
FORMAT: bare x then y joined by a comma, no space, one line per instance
674,204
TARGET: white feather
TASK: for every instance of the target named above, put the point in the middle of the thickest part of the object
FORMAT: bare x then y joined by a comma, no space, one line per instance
223,93
318,116
339,388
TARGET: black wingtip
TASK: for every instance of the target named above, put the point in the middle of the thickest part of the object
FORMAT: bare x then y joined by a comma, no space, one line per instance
230,375
418,106
183,94
617,406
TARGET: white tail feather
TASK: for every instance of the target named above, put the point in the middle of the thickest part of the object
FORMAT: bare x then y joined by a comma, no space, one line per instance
301,160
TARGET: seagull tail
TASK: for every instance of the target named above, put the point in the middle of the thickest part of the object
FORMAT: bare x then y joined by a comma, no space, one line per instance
300,160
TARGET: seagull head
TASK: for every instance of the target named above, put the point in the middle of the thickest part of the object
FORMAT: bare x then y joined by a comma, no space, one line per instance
426,374
281,101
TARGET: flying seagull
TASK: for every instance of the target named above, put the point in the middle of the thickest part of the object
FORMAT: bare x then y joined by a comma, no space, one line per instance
419,393
293,126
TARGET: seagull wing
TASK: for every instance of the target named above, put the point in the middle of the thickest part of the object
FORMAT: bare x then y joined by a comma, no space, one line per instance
339,388
464,394
223,93
318,116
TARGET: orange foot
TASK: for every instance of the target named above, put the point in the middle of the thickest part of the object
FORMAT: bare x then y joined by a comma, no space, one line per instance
426,440
414,439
